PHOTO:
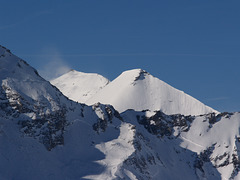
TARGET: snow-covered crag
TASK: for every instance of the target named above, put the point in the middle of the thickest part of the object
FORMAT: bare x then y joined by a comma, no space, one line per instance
44,135
79,86
184,147
137,89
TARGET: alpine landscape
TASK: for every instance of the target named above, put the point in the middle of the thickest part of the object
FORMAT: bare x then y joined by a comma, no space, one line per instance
84,126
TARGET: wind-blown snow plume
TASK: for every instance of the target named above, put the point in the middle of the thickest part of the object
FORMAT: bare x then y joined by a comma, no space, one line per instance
55,67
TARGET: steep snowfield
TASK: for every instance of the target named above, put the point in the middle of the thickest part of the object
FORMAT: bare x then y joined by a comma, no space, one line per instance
136,89
80,86
219,141
19,79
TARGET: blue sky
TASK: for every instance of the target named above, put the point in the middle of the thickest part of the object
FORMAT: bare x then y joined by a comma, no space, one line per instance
192,45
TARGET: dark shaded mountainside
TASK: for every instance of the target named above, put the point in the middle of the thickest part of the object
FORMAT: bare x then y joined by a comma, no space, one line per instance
44,135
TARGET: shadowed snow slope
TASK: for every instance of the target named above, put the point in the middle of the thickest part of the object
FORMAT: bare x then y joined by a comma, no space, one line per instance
80,86
136,89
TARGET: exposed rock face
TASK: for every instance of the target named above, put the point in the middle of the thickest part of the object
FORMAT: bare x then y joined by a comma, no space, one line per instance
162,125
105,113
34,117
48,129
205,159
35,104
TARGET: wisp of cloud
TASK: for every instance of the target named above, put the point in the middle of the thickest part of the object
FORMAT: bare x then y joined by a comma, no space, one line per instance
55,66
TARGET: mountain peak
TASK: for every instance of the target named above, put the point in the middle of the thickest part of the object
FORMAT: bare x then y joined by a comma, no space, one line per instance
133,75
14,67
135,72
141,75
80,86
137,89
74,72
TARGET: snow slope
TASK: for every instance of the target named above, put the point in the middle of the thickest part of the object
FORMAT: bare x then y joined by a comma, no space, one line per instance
136,89
80,86
18,76
44,135
193,147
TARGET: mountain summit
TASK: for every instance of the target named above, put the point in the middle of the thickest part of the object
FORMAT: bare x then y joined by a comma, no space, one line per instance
137,89
80,86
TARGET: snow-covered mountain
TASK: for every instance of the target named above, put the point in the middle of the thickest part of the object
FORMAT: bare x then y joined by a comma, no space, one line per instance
137,89
184,147
44,135
79,86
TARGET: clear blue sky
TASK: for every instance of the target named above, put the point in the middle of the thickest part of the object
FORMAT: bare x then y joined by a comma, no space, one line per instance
192,45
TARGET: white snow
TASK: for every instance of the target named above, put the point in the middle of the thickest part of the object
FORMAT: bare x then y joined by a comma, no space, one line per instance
138,90
223,134
79,86
116,152
123,149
